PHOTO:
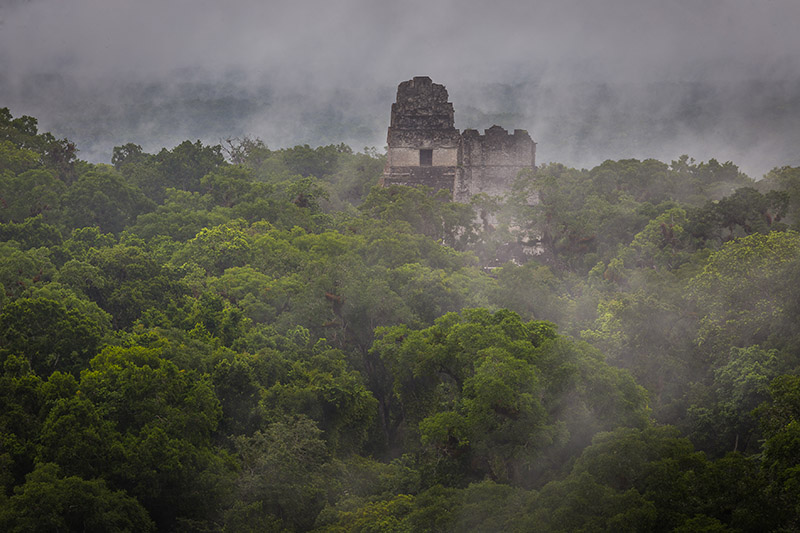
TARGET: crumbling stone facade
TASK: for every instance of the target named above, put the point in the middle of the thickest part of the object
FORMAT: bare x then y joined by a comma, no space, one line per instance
425,148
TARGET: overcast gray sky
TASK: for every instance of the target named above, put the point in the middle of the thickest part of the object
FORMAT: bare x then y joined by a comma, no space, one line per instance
300,61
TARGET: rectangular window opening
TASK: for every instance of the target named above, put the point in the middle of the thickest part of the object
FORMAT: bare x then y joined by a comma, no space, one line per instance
425,158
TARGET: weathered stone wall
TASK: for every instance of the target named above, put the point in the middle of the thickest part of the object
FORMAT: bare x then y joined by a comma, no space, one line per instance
405,157
465,164
434,177
490,162
422,119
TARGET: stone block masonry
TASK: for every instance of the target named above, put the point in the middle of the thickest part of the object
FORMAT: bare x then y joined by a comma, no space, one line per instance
425,148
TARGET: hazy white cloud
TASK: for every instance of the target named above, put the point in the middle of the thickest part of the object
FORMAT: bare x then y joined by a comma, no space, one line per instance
335,40
302,61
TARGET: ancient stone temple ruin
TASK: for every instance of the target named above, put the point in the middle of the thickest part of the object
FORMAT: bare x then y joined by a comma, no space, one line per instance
425,148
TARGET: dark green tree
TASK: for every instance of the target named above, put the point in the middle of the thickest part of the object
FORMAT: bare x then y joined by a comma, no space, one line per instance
49,501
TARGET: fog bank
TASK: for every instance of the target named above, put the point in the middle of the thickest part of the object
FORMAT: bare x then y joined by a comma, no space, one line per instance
590,81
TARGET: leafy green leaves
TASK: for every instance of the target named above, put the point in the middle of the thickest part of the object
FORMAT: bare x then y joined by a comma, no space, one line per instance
488,390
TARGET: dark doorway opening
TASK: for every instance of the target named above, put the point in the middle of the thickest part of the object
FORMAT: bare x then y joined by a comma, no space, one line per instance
425,158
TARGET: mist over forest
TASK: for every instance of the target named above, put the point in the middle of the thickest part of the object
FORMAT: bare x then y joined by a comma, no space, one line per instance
214,316
578,123
614,79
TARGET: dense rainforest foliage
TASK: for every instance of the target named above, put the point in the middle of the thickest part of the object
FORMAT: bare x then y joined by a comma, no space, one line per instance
234,338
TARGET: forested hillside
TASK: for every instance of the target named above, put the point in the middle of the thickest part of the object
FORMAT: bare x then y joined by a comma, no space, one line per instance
236,338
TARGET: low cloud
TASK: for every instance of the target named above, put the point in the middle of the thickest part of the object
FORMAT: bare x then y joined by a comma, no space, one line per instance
590,80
